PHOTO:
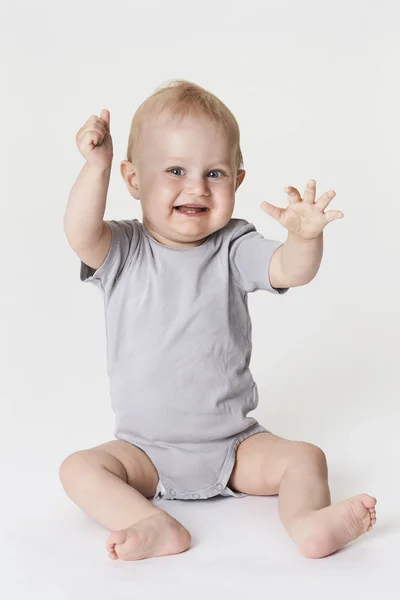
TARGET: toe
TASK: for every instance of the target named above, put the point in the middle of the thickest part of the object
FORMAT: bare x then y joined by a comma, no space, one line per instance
115,537
368,501
372,515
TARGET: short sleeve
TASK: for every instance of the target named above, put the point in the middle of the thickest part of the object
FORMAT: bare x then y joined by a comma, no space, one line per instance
249,256
124,245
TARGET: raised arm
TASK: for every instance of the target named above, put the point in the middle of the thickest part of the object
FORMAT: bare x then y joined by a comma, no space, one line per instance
86,231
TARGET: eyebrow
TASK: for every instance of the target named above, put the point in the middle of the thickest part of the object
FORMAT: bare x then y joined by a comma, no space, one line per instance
181,160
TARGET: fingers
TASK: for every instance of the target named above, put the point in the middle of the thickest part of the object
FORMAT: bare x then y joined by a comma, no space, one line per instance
332,215
105,117
273,211
323,202
293,194
94,140
309,195
309,192
95,127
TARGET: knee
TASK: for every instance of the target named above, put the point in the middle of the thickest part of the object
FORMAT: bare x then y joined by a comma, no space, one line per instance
71,464
310,455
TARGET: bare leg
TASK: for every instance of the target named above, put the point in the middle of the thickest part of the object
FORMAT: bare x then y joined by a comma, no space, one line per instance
100,481
267,464
305,509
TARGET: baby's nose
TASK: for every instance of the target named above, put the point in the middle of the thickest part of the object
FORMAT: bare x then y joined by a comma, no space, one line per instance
197,186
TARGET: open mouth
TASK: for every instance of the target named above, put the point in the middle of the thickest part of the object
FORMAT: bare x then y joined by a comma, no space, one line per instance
191,210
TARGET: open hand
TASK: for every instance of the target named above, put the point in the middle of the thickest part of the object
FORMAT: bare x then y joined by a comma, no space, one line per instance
304,216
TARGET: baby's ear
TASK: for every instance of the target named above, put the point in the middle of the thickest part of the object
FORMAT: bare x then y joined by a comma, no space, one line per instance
239,177
130,176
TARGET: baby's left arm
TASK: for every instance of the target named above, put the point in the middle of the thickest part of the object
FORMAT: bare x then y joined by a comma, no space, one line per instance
297,261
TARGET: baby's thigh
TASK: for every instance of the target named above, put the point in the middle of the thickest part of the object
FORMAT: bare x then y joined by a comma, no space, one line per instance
262,459
126,461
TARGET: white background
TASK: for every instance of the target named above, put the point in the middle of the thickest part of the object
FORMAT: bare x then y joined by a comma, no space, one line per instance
315,88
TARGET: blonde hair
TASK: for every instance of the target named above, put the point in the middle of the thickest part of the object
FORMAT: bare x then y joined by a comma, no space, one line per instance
183,98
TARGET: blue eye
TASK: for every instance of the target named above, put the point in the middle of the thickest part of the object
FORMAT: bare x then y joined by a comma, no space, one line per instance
180,169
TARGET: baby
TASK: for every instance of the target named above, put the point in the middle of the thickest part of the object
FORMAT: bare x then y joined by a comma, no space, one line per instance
179,332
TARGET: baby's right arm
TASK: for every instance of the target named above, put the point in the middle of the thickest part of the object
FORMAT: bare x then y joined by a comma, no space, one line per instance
86,231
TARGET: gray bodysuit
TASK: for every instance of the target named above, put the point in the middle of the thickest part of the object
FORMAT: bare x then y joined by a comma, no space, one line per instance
179,347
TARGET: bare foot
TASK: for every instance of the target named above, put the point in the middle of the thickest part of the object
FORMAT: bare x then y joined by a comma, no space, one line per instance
326,530
157,535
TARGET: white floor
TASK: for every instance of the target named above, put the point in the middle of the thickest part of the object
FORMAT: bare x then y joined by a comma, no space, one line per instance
50,549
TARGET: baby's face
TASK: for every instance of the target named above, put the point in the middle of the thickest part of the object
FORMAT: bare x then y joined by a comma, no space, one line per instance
187,161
